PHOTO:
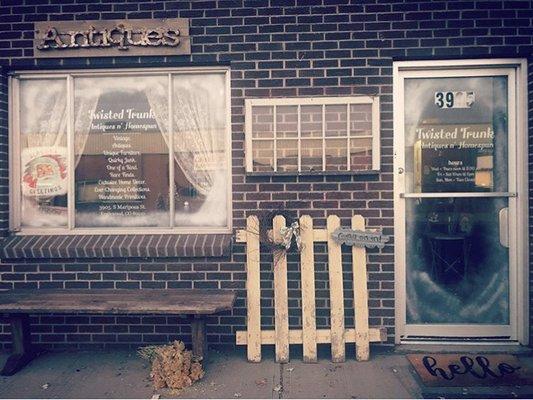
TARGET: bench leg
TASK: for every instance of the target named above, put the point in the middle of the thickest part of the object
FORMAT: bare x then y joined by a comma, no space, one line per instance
23,351
199,340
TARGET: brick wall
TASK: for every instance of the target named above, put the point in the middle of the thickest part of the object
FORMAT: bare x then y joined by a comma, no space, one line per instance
275,48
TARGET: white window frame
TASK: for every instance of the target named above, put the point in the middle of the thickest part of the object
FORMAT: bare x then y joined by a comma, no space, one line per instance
15,151
317,101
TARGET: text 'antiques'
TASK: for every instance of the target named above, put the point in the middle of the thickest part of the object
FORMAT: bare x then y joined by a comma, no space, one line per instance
112,38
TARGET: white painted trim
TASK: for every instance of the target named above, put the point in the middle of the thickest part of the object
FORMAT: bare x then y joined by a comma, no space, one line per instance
376,137
522,175
13,145
456,194
248,135
305,101
518,182
451,341
399,205
134,230
116,72
171,187
299,136
458,63
14,148
229,155
71,157
320,101
454,330
275,139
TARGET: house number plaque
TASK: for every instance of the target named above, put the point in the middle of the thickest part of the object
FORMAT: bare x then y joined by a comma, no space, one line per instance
357,238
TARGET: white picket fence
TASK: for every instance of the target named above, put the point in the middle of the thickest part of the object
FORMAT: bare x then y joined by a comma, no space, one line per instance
337,335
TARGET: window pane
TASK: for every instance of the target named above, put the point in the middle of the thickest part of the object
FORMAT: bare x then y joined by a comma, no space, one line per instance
263,122
287,121
263,155
459,145
311,121
43,135
200,137
287,155
457,271
336,155
360,154
360,119
336,122
121,151
311,155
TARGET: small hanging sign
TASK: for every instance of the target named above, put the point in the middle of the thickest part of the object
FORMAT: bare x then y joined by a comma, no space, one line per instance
357,238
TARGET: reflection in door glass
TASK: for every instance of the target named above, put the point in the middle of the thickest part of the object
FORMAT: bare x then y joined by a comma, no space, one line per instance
456,136
457,269
462,148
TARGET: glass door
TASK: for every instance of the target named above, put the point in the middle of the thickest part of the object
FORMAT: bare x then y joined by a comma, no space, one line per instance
455,203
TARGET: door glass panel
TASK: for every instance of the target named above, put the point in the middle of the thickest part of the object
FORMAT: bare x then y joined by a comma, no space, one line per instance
457,268
456,134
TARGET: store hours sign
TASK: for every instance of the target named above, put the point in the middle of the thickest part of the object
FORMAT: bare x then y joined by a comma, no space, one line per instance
454,157
136,37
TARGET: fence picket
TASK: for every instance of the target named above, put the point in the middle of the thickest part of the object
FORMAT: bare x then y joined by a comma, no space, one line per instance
253,289
360,292
307,258
281,314
336,292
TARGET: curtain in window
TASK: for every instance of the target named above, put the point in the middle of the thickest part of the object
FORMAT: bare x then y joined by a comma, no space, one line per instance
85,105
44,113
48,124
199,136
194,131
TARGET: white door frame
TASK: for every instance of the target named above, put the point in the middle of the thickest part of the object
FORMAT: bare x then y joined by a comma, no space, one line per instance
518,183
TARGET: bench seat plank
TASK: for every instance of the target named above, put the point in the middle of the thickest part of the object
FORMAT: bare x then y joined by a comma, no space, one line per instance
116,301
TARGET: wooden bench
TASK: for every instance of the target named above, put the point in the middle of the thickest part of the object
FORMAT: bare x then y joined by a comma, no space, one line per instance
17,305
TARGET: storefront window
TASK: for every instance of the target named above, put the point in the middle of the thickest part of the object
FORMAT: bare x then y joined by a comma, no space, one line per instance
123,150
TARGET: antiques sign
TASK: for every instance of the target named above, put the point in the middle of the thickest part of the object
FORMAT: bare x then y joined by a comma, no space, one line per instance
112,38
357,238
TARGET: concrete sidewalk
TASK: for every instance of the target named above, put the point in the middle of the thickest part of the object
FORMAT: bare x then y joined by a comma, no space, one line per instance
122,374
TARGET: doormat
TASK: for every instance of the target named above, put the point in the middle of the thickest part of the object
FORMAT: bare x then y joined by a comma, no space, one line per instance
470,370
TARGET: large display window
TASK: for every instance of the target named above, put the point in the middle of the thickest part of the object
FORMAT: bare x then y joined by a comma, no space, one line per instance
117,150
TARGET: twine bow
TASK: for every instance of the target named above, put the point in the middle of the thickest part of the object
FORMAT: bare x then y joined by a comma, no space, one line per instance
288,233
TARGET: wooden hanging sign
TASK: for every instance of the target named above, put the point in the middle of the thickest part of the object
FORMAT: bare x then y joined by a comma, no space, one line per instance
358,238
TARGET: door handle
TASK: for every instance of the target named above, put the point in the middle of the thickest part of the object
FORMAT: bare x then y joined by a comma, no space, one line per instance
503,218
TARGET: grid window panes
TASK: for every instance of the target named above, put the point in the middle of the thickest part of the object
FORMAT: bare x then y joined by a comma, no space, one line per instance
306,135
117,151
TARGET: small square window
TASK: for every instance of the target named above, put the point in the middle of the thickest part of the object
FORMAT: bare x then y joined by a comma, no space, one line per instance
307,135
